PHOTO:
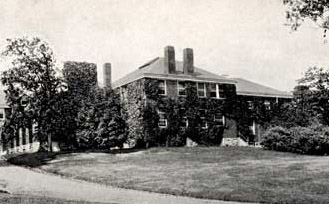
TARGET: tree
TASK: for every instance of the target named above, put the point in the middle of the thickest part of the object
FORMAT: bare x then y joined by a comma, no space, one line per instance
100,122
32,86
312,94
299,10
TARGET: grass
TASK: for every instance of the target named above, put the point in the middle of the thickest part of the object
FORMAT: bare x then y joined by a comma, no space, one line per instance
224,173
24,199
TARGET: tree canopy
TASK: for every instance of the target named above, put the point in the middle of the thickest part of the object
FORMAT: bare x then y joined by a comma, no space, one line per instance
32,85
299,10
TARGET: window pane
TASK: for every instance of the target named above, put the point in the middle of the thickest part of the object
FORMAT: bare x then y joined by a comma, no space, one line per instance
201,90
162,120
162,88
221,91
213,91
181,88
2,114
201,86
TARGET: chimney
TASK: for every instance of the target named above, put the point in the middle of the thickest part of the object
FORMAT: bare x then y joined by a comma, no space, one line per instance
170,63
188,62
107,75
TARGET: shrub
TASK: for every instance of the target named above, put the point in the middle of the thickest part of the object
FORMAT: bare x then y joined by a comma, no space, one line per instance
312,140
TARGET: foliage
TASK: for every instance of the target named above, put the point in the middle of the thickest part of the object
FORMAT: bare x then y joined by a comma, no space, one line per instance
303,140
195,110
312,94
100,123
81,80
134,105
32,79
299,10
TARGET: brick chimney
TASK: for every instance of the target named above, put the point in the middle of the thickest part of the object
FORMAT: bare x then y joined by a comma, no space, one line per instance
170,63
107,74
188,61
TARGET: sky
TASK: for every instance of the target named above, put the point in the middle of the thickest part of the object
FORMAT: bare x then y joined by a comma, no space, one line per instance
237,38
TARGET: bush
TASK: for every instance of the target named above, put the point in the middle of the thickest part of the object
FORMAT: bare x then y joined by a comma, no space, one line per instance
312,140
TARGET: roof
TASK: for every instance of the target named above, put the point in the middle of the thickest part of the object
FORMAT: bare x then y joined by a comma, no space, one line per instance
156,69
249,88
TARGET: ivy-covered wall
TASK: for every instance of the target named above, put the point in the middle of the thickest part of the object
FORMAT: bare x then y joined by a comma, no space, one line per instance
133,103
141,102
260,110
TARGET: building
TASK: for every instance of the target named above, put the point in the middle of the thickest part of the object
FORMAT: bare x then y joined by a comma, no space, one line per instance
172,76
157,100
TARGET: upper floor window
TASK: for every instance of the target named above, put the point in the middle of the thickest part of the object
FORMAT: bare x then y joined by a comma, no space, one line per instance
250,105
201,89
221,91
162,87
267,105
162,120
217,91
213,91
181,88
2,114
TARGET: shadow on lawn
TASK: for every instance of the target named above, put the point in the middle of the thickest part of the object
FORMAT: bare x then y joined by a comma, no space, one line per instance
37,159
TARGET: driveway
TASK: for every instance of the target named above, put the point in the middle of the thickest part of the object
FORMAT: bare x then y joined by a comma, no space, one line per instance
18,180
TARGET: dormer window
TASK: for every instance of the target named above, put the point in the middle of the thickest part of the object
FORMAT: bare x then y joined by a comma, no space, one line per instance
201,89
162,87
181,88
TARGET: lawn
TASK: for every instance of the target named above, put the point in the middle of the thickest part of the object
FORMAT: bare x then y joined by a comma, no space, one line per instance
224,173
24,199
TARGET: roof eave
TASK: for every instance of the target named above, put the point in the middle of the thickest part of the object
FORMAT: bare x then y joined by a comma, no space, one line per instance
265,95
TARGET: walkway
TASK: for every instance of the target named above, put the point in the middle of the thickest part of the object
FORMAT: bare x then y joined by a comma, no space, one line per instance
20,180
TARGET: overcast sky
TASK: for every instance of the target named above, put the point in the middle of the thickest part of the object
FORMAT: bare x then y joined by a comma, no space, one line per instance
238,38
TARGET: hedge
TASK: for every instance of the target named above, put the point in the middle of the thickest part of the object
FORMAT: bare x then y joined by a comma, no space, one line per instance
312,140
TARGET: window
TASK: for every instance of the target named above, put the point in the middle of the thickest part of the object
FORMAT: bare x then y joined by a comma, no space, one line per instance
162,87
162,120
267,105
24,102
2,114
201,89
213,91
184,122
220,118
217,91
252,127
181,88
250,105
221,91
202,113
35,128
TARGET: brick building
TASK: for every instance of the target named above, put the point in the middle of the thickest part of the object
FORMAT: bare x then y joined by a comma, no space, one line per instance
172,76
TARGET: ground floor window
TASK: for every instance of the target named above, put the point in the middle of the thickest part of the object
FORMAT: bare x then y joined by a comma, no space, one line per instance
184,122
162,120
219,118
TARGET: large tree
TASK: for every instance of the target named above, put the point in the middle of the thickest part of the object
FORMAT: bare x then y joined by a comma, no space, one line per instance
299,10
32,86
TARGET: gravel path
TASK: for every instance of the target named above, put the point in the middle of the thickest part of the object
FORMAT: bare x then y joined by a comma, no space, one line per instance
20,180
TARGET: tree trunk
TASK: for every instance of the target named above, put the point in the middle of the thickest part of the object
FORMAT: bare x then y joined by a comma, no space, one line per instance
50,143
